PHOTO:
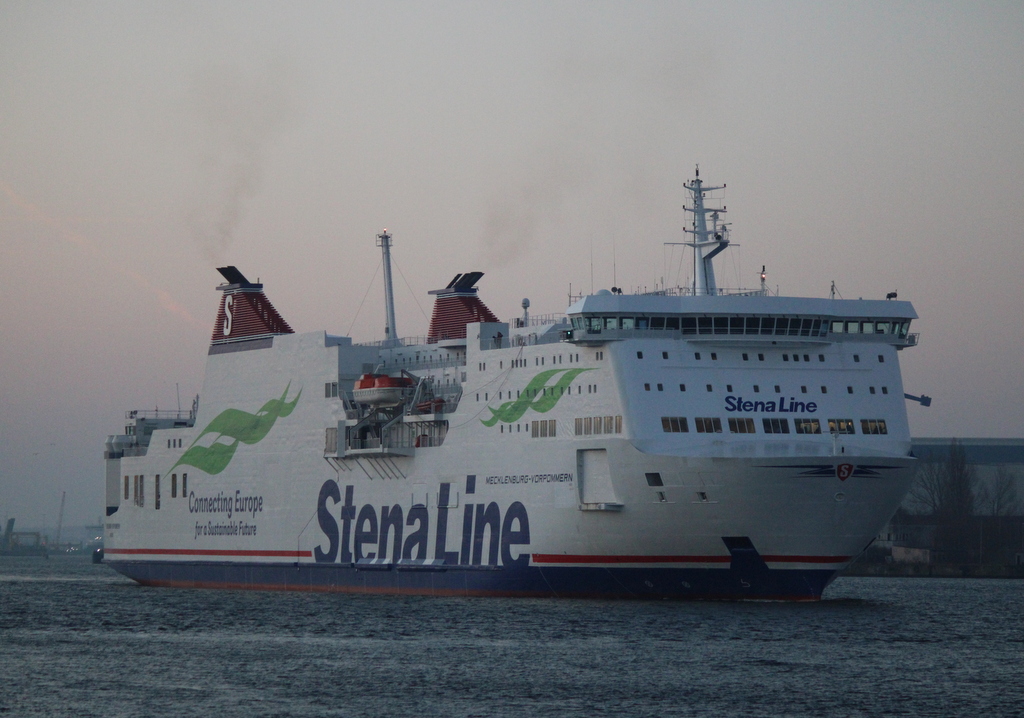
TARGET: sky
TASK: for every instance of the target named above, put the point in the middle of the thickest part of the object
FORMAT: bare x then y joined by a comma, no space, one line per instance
876,145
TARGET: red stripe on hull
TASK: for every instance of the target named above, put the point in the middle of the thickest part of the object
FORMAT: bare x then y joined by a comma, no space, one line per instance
206,552
541,558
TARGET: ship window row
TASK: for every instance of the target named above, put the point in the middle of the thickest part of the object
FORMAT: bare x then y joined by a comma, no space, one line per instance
542,429
331,390
540,391
137,490
763,326
174,443
860,326
770,425
590,425
757,388
768,326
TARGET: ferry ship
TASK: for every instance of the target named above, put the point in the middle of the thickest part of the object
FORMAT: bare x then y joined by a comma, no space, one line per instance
696,442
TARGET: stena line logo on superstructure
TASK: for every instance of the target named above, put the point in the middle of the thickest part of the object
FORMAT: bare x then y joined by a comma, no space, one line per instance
388,533
738,403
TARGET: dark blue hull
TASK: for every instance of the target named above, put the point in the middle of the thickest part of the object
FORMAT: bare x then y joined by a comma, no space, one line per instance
736,582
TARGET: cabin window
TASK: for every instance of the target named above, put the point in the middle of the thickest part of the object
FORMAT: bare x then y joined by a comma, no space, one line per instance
849,390
841,426
184,484
674,424
709,388
746,357
824,390
757,389
654,479
741,425
871,389
881,358
647,387
708,425
760,357
664,355
174,486
728,388
885,390
803,390
856,358
126,488
807,426
776,426
821,357
156,492
639,355
873,426
661,388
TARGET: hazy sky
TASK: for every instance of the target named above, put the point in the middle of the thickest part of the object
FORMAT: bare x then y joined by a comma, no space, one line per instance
878,145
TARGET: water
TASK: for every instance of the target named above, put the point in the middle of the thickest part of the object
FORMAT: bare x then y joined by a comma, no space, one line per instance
79,640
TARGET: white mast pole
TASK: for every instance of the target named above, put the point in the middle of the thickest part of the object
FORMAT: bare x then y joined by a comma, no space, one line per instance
390,333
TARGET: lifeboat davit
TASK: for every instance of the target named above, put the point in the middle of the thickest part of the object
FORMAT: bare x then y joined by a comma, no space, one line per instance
381,389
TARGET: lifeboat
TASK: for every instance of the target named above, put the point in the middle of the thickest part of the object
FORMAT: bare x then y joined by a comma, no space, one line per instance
381,389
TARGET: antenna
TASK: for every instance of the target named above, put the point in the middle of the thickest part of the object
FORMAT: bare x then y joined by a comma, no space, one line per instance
177,394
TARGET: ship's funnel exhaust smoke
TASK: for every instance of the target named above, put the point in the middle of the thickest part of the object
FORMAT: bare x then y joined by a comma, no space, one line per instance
522,208
238,115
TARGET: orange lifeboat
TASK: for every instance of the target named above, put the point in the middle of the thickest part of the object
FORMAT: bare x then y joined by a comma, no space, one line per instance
381,389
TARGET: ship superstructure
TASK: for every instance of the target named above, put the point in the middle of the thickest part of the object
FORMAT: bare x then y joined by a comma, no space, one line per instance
687,443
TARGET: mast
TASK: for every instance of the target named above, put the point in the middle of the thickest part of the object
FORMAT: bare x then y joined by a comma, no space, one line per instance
390,334
706,242
60,517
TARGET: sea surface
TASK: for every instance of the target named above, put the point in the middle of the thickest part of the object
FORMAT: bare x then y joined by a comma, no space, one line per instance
77,639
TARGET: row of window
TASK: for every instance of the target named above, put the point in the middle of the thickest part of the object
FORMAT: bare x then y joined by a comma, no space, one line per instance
174,443
762,326
757,388
541,391
745,425
138,486
760,357
588,425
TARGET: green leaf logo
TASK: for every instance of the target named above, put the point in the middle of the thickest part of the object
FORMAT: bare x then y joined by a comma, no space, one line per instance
238,426
537,396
